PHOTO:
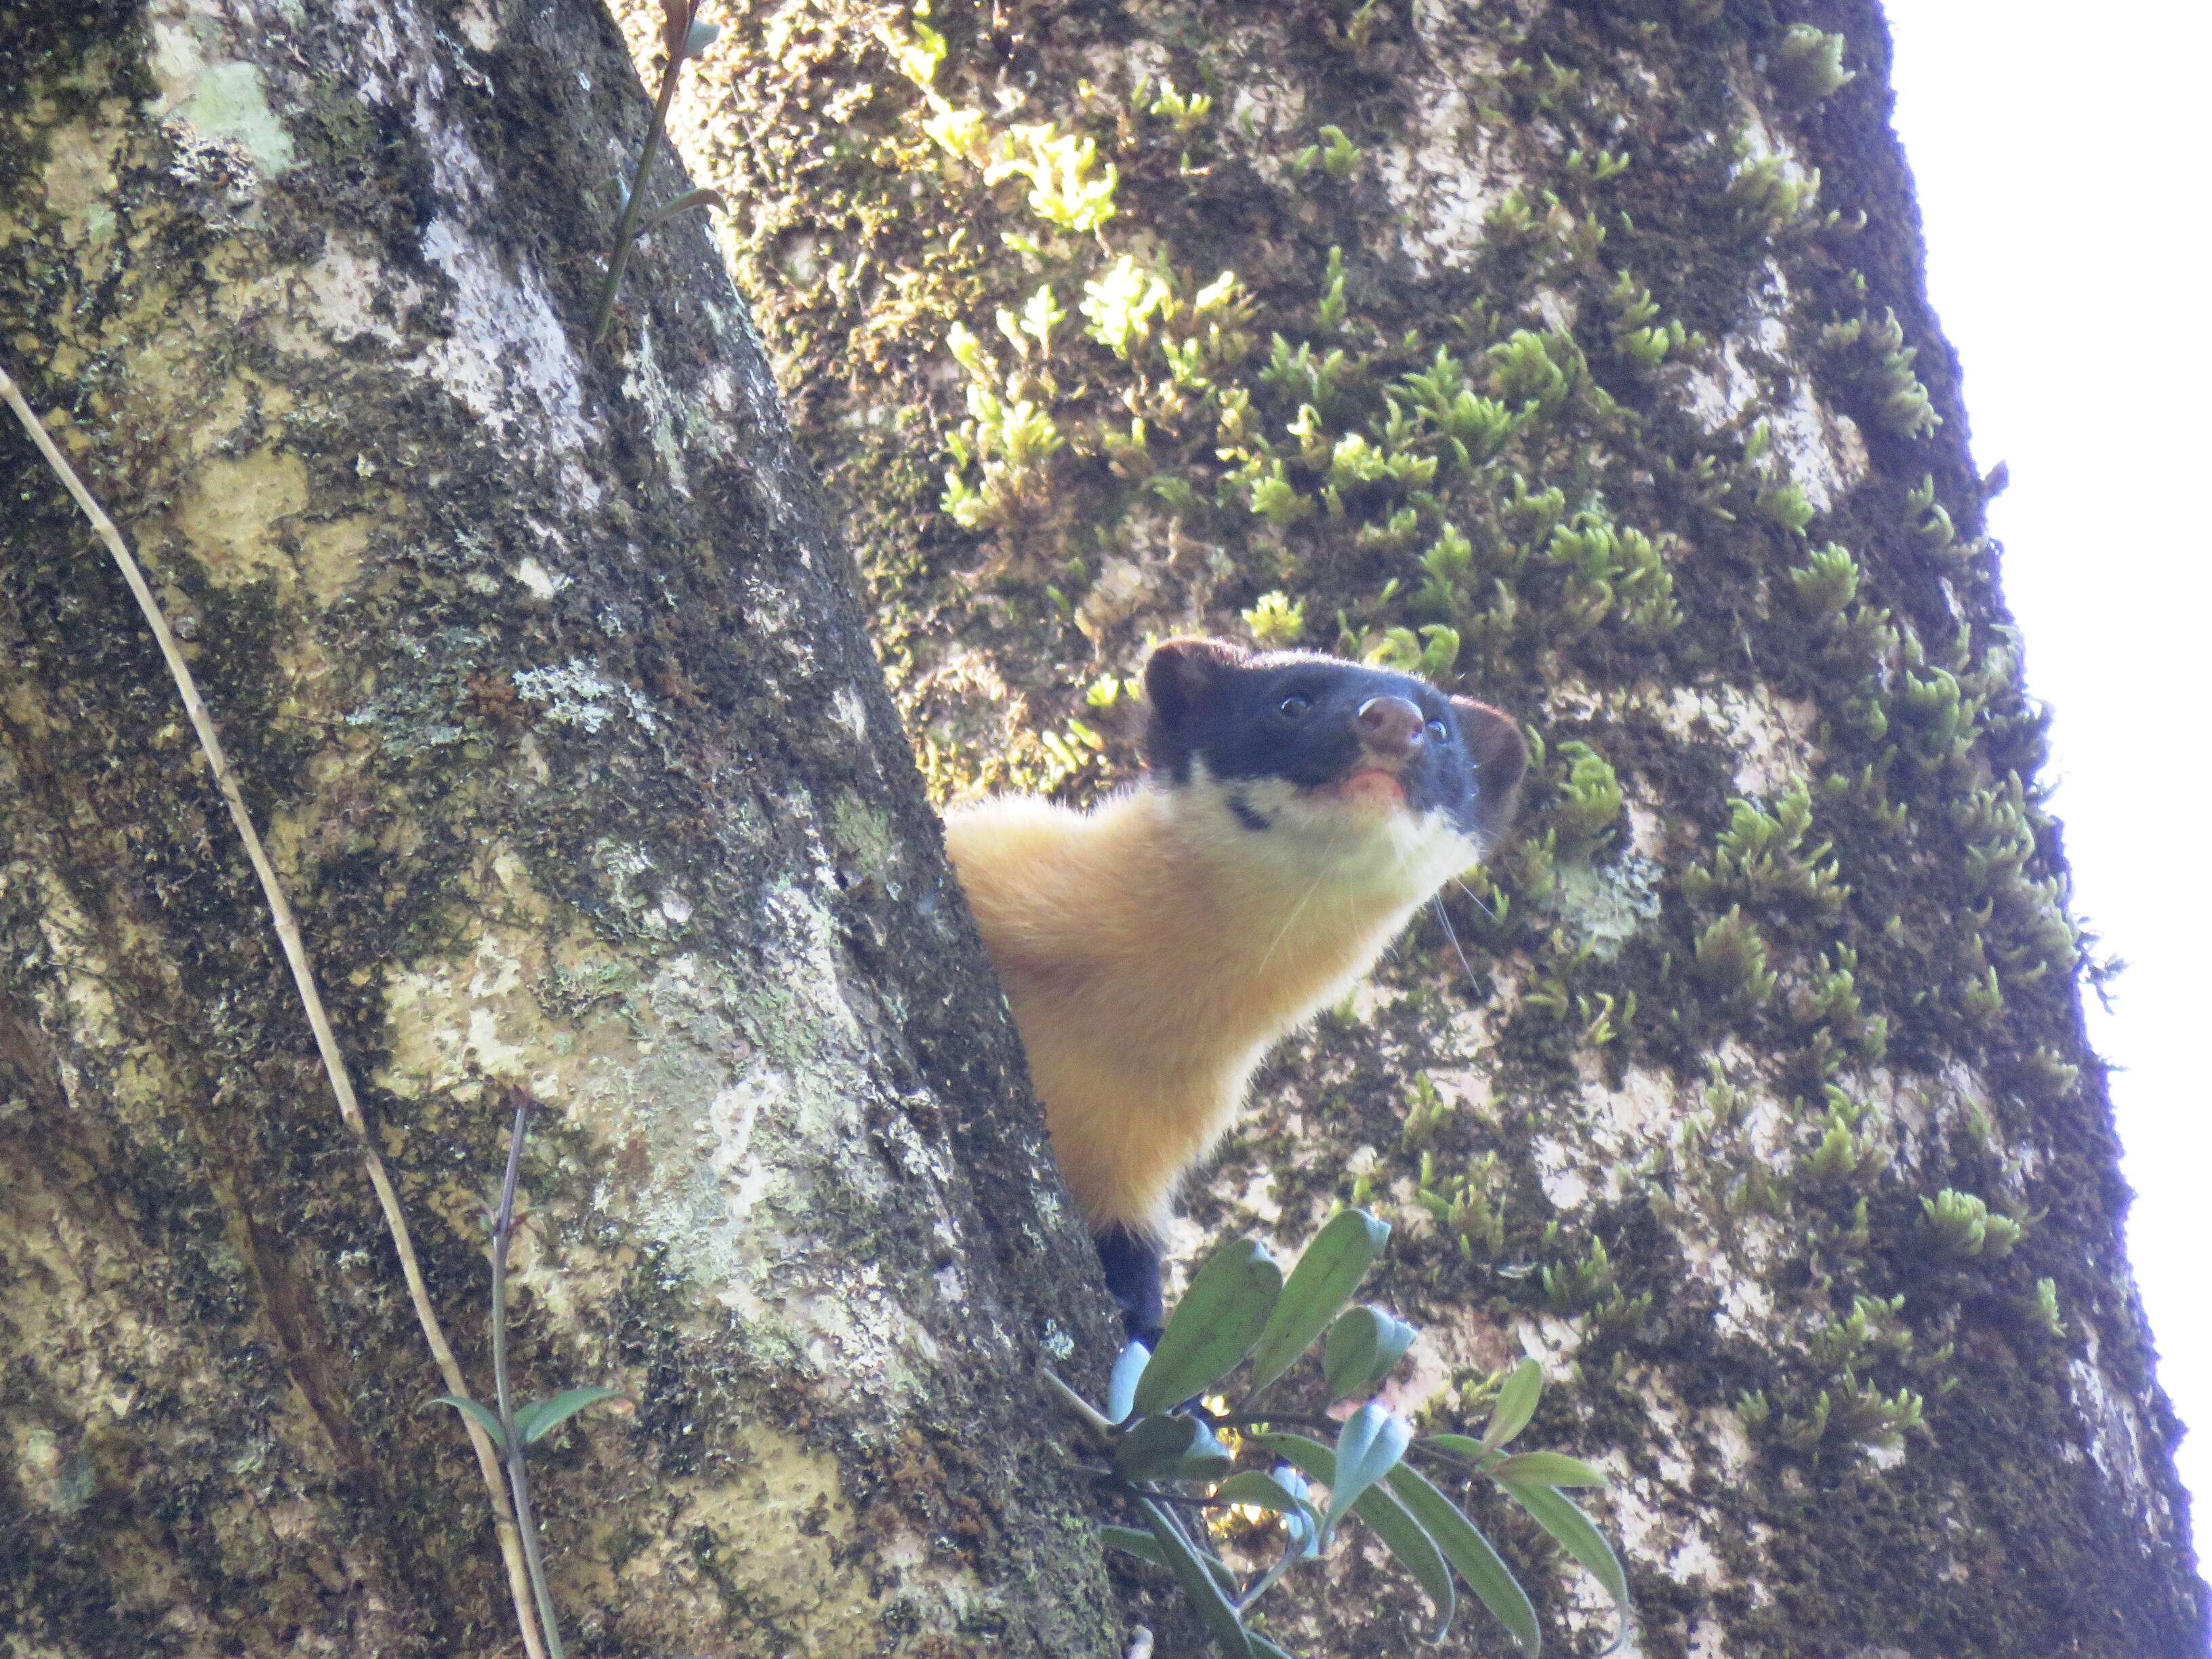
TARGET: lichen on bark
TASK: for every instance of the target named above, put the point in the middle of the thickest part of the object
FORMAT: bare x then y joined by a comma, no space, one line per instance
1579,353
546,680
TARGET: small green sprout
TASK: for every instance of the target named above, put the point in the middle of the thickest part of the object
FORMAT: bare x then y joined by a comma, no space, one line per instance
1121,304
1931,524
1512,221
1874,1329
2043,1074
1599,166
1304,379
1467,1207
1276,620
1276,500
1472,427
512,1427
1761,857
1587,808
1730,960
1336,155
1809,66
1533,371
683,35
1187,112
1613,569
1065,188
1430,653
1830,999
2040,1309
1870,1419
1964,1228
1585,1285
1769,195
1882,373
1826,583
1333,307
1039,316
1784,505
1844,1154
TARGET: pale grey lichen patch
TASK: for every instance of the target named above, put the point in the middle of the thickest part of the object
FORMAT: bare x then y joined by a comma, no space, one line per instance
646,386
578,694
1606,903
507,356
224,101
1772,735
542,582
1440,180
344,291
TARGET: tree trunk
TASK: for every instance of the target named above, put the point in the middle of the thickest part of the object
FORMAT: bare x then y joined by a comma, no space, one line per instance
550,691
1569,350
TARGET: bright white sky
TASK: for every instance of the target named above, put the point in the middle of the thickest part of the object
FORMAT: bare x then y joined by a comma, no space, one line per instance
2059,159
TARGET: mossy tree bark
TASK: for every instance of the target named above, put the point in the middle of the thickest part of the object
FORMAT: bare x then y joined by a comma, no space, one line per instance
552,698
1567,348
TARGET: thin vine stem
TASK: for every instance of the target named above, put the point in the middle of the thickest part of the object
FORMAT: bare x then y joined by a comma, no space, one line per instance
674,41
295,949
518,1474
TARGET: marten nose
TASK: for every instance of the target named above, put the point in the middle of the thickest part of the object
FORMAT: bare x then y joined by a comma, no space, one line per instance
1390,726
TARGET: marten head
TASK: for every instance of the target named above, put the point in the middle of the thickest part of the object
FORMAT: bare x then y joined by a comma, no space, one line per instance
1294,746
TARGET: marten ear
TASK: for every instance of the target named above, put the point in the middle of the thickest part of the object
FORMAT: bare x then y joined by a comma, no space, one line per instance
1501,761
1184,674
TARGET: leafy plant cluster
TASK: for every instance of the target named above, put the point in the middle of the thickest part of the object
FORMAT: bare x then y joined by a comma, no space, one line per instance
1176,1462
1317,434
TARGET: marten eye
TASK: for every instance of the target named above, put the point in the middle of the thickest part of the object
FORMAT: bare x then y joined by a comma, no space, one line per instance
1292,707
1438,731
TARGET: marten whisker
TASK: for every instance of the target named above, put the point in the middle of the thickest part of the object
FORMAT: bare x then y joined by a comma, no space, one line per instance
1473,899
1335,836
1436,903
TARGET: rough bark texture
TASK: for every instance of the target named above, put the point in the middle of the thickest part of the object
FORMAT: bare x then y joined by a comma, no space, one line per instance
1782,953
553,701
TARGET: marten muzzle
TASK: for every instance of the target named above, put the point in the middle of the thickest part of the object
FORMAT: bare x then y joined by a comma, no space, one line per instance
1391,729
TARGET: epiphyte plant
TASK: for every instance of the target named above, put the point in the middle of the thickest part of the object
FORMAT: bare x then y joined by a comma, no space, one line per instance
1172,1458
683,34
513,1428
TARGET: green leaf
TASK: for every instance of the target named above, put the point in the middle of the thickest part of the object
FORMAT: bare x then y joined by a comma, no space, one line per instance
534,1421
1146,1548
703,35
1198,1583
1122,1384
1214,1326
1517,1403
1549,1469
1557,1515
1361,1349
1170,1447
1466,1449
1368,1447
706,196
1470,1552
1394,1523
486,1419
1321,1282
